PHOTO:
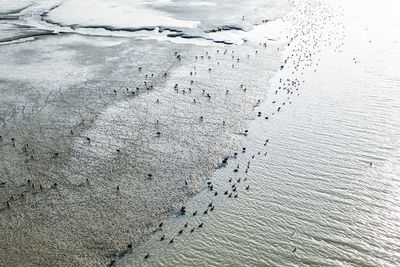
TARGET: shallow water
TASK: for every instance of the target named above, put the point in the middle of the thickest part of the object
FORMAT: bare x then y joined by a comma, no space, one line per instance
315,189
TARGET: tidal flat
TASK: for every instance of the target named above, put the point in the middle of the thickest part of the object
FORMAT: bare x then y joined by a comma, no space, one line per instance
103,137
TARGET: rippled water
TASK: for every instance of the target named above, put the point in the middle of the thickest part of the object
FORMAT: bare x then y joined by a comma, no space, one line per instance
329,184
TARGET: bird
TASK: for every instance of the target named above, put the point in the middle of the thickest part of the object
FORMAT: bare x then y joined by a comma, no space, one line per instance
294,250
180,232
186,225
161,224
171,241
192,230
147,256
162,238
201,225
195,213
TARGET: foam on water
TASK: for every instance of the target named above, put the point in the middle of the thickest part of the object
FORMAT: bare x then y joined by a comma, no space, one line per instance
116,13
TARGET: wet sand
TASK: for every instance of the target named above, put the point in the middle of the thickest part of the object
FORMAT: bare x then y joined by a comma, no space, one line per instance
103,138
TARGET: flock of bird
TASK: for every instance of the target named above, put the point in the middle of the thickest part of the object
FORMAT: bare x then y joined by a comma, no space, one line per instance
307,38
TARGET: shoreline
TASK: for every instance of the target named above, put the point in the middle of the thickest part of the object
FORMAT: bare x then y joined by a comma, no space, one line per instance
79,214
